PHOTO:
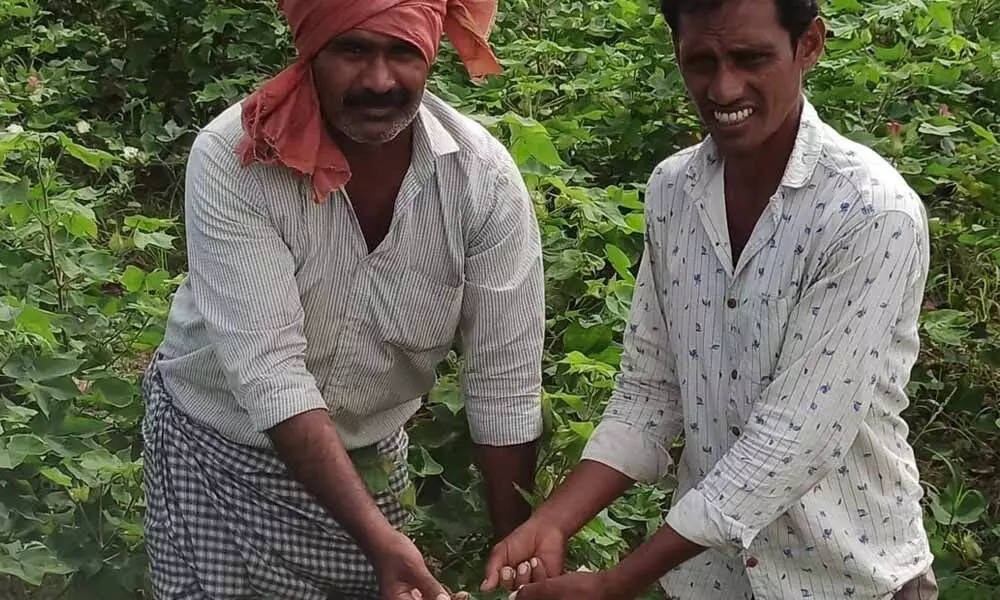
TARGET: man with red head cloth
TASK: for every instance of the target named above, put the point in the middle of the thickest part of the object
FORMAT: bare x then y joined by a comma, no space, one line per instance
344,228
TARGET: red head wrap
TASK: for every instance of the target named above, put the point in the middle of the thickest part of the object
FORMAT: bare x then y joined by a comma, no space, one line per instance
282,120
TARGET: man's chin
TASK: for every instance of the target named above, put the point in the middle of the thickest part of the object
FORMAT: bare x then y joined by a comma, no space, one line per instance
372,133
375,131
732,144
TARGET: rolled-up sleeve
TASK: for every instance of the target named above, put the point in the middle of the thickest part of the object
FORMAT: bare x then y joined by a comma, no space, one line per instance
644,414
810,414
242,279
503,318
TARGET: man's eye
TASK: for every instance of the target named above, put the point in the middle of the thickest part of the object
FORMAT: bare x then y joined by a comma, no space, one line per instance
406,50
752,58
700,63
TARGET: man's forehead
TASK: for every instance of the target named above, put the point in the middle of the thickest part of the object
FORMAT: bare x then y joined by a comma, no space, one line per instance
734,24
732,17
369,38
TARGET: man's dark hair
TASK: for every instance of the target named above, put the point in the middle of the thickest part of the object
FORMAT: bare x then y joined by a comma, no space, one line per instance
795,15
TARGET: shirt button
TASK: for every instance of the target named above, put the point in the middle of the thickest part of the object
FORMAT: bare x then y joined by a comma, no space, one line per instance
751,562
731,303
736,431
734,374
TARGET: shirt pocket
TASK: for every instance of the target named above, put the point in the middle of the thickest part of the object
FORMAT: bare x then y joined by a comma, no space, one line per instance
419,314
763,322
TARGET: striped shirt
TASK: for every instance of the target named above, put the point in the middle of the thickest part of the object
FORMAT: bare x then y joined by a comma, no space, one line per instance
785,372
284,310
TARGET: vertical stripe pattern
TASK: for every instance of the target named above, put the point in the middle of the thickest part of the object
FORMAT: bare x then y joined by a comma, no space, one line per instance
284,309
785,372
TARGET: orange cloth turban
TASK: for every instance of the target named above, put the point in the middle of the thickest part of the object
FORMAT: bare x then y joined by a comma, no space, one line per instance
282,121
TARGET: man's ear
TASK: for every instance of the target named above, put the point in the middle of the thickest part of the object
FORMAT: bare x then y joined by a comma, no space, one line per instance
811,44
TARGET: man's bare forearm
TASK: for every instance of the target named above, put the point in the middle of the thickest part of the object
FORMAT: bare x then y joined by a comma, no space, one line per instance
590,488
311,447
663,552
505,468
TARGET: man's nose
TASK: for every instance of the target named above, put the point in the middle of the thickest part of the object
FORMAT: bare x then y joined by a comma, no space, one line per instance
379,77
727,87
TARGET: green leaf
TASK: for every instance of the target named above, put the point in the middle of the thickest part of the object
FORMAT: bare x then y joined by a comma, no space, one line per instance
11,458
98,160
82,426
373,467
847,6
27,445
57,477
156,238
584,429
37,369
983,133
941,13
113,391
891,55
447,393
530,140
101,461
133,278
947,326
14,193
938,130
621,262
7,312
31,563
586,339
49,367
34,320
426,466
636,222
970,508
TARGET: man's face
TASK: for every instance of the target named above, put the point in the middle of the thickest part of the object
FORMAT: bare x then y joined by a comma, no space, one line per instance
743,73
370,85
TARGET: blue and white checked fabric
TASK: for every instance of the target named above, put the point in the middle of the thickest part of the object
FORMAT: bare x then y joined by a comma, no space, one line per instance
226,521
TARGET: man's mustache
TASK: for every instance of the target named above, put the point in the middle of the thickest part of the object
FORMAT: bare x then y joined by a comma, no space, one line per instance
395,98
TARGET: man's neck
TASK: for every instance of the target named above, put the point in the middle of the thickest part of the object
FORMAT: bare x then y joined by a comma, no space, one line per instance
763,169
367,158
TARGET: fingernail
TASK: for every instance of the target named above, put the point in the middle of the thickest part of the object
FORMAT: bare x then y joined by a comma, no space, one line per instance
534,562
442,596
522,568
507,573
416,594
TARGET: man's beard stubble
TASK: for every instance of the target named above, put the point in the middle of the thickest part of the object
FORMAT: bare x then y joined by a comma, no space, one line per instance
398,98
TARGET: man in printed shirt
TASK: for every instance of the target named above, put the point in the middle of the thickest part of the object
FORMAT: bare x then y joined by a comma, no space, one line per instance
774,325
318,307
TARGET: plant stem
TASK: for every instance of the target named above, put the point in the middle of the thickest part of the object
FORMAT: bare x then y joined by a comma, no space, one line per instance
44,219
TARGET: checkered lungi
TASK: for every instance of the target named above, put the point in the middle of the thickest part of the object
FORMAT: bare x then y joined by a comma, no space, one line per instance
226,521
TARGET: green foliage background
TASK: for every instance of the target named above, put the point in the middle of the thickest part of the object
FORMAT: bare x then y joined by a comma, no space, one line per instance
100,99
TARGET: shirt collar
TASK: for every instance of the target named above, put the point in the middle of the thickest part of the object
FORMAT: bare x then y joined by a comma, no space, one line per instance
798,171
430,135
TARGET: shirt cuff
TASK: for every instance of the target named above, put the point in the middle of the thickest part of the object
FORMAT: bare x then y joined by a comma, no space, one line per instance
629,451
696,519
272,407
507,422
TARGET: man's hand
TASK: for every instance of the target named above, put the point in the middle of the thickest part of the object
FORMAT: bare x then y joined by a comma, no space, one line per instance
403,575
571,586
588,489
533,552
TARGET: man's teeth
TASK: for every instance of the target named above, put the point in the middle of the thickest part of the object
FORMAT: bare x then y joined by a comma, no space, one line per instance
733,118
